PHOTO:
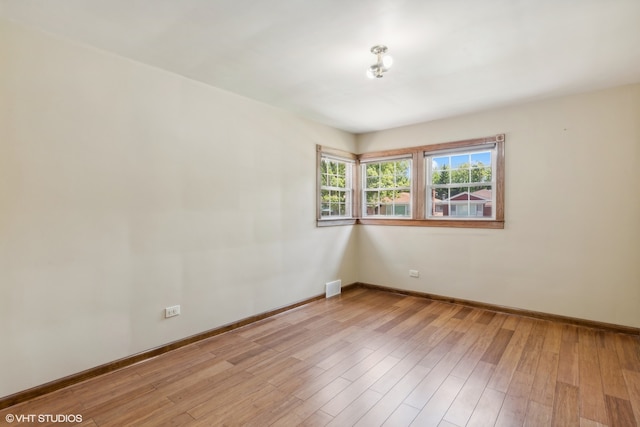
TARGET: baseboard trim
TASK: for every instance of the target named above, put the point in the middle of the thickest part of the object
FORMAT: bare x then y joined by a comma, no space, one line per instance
32,393
510,310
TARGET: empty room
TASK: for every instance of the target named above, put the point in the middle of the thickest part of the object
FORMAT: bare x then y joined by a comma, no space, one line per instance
384,212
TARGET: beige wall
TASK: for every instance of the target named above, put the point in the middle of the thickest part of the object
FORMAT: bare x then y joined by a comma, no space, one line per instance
571,244
125,189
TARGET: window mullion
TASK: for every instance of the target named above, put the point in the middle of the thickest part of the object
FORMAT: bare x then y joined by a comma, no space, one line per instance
418,182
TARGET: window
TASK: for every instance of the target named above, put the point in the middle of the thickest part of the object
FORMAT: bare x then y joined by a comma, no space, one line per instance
335,192
453,184
460,184
335,188
386,188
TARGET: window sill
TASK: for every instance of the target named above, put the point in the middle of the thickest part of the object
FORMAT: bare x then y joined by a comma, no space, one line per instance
335,222
451,223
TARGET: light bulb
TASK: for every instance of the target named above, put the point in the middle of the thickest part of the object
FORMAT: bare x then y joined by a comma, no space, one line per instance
370,73
387,61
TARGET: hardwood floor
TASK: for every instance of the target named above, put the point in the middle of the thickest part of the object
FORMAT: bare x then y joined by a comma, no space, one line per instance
371,358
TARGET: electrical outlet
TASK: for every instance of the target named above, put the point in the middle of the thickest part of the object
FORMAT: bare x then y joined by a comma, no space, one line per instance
172,311
414,273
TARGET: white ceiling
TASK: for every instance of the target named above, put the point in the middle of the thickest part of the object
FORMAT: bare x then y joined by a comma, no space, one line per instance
309,56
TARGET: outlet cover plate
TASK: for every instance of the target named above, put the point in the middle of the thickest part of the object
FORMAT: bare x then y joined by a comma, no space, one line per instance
172,311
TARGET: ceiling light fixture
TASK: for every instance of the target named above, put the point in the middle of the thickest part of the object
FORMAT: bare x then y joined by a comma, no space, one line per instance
383,63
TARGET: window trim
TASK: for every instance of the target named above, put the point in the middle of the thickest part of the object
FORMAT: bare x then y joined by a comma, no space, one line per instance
418,217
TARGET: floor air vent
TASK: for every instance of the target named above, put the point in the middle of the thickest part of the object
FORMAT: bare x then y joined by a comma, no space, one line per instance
333,288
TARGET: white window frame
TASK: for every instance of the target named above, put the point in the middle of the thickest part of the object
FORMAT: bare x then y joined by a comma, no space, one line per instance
364,189
349,160
429,186
347,189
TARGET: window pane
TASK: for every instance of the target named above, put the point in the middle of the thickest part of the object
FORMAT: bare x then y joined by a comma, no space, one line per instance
440,193
326,202
440,163
435,197
373,169
403,169
395,203
403,173
373,196
460,202
403,203
441,177
460,176
335,167
481,197
331,167
373,203
457,193
337,181
387,169
469,202
460,210
460,161
372,200
481,159
334,203
480,174
373,182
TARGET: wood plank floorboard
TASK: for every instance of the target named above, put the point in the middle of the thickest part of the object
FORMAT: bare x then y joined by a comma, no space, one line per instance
372,358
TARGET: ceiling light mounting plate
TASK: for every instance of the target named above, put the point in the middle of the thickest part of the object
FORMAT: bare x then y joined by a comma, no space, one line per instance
379,49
